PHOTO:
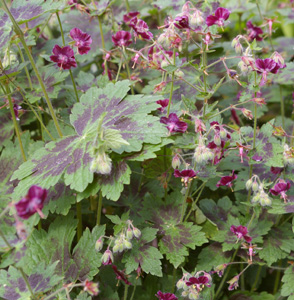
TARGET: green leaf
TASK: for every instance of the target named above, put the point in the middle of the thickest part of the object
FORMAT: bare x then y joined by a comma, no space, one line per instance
41,280
288,279
278,244
148,257
56,245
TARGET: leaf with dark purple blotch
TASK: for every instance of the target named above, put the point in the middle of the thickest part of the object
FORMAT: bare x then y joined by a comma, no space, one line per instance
41,280
176,236
278,244
212,256
56,245
148,257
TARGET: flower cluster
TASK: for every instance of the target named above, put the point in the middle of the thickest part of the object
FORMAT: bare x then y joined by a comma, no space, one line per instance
192,286
64,56
259,194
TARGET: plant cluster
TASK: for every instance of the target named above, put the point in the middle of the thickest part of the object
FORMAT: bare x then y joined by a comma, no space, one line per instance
147,149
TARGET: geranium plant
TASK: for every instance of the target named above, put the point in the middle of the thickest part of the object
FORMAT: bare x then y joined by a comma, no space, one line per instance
147,149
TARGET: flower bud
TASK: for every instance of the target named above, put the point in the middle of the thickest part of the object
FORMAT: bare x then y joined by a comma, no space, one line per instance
107,257
176,162
265,199
248,184
185,293
193,296
256,198
129,234
101,164
99,244
137,232
243,67
255,186
217,140
127,244
180,284
196,19
179,73
115,248
223,133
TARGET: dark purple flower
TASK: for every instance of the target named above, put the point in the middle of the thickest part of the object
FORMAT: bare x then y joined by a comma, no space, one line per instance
120,275
83,40
220,15
200,282
227,180
218,151
241,232
64,57
141,28
265,66
276,170
182,22
281,188
257,157
33,202
253,32
186,175
129,16
122,38
173,123
165,296
163,104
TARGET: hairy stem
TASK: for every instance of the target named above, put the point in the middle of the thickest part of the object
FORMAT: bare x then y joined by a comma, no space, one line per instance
99,208
102,41
172,85
126,292
16,128
79,217
26,69
185,201
128,69
256,279
29,55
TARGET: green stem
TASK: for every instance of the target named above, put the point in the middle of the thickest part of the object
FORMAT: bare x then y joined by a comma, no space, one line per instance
102,42
192,86
240,23
277,281
70,72
259,11
126,292
128,69
74,85
256,279
134,290
119,68
282,107
174,280
99,208
60,27
19,32
172,85
5,240
79,217
24,276
194,203
127,6
225,276
204,63
16,128
26,69
185,200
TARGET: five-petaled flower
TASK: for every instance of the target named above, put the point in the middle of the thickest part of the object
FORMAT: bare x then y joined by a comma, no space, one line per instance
82,40
241,232
220,15
163,103
182,22
122,38
173,123
199,282
280,188
227,180
141,28
165,296
64,57
33,202
186,175
265,66
253,32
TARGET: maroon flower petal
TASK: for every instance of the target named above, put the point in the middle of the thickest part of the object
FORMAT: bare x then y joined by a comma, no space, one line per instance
122,38
83,40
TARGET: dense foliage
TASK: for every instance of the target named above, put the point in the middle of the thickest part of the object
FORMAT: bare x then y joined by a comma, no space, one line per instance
147,149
